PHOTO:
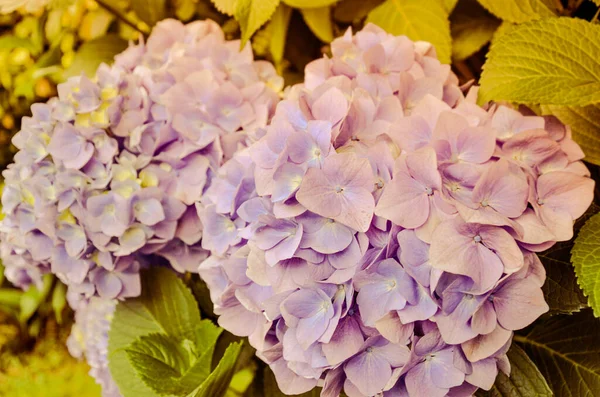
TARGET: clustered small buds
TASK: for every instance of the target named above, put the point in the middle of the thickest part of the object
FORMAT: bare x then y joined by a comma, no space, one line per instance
380,236
89,339
107,174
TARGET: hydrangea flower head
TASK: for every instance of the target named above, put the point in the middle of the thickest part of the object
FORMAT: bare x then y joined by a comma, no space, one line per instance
108,172
380,236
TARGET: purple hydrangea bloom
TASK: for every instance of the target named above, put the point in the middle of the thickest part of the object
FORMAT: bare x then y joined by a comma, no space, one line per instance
379,237
108,173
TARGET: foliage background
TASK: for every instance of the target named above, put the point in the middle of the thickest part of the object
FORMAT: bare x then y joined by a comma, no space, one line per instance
543,54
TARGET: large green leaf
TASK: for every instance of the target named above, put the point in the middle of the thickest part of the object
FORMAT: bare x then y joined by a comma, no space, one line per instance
149,11
160,361
170,303
92,53
166,306
586,259
252,14
319,21
565,349
472,27
519,11
449,5
585,125
550,61
419,20
561,291
525,378
309,3
217,382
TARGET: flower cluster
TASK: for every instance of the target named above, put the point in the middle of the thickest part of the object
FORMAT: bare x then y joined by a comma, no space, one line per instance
107,174
89,340
380,236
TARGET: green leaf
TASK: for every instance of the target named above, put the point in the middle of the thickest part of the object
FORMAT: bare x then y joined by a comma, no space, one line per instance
159,360
278,28
586,259
170,303
519,11
149,11
525,378
131,320
551,61
309,3
34,297
348,11
219,379
252,14
585,125
225,6
565,349
92,53
206,335
561,291
419,20
319,22
166,306
472,27
59,300
10,297
185,9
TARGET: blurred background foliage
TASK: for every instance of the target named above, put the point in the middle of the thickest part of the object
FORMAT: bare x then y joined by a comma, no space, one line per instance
43,42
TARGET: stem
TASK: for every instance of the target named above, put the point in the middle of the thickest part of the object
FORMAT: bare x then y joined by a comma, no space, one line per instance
119,14
595,18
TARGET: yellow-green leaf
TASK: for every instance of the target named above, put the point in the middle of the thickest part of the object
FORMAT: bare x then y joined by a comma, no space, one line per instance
552,61
309,3
95,24
419,20
585,124
472,27
319,22
449,5
519,11
185,9
278,28
92,53
225,6
252,14
586,259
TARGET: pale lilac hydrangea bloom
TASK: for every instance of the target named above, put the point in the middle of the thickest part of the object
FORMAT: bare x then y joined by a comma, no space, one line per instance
89,339
108,172
380,236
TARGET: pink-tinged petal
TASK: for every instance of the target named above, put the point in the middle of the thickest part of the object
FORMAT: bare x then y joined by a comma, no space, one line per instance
393,329
484,346
459,248
418,382
331,106
422,166
288,382
341,190
475,145
484,373
414,256
286,248
530,148
349,258
534,230
411,133
455,327
346,341
332,237
562,198
334,382
404,201
444,373
503,188
499,241
108,285
484,320
369,372
519,303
